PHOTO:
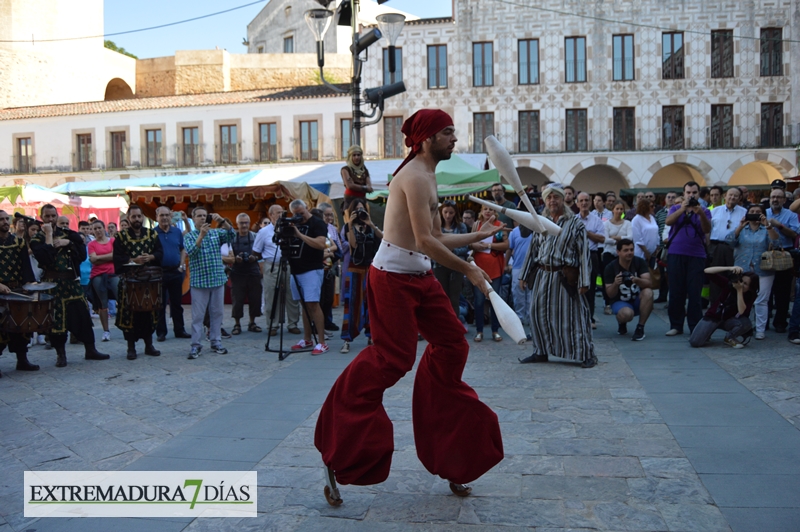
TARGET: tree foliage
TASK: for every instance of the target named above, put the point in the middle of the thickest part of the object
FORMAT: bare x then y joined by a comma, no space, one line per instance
111,45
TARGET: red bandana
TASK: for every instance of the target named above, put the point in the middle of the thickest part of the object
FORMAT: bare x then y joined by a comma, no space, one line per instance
421,126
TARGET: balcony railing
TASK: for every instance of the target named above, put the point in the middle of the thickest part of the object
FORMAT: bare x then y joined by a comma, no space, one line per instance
83,160
153,156
266,152
22,164
227,153
189,154
118,157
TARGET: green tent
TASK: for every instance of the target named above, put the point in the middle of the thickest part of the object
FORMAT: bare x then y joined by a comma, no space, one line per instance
456,177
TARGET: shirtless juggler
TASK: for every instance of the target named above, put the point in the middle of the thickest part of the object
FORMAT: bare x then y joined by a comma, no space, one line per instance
457,436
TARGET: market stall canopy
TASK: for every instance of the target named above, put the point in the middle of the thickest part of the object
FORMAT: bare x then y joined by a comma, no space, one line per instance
325,177
112,187
29,199
455,177
228,201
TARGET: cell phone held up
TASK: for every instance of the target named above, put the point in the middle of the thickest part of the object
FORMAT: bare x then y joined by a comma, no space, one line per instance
755,217
209,219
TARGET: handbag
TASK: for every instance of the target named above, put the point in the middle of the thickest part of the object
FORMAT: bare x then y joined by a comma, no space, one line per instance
776,260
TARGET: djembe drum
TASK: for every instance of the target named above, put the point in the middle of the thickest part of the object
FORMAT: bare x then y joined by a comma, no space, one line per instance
143,288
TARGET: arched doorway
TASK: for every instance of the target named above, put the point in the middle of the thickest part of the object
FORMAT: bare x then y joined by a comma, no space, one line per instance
599,178
756,173
675,176
117,89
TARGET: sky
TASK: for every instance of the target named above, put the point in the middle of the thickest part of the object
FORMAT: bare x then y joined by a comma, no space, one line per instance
224,31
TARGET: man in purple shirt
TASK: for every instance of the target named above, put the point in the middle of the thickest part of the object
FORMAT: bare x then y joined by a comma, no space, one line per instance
689,224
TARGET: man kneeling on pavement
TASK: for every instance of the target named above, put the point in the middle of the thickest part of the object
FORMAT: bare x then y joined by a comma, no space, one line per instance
628,286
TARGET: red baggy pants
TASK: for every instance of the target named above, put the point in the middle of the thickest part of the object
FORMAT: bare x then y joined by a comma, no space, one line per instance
457,436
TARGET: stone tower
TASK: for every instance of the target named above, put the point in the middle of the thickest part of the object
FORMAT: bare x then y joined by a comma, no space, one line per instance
35,70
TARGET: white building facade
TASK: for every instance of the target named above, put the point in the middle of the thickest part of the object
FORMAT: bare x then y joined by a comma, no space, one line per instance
601,95
184,134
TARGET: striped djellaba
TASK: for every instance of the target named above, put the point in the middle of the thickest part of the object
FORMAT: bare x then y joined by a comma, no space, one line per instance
560,322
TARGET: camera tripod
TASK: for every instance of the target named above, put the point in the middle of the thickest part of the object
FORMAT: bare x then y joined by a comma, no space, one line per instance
279,305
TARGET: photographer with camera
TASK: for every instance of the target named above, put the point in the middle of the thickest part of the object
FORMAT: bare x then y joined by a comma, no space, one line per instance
629,288
731,311
363,238
245,276
752,237
207,277
689,224
267,247
786,224
302,238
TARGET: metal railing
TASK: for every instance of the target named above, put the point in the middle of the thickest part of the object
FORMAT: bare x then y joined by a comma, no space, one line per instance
189,154
227,153
83,160
152,156
118,157
22,164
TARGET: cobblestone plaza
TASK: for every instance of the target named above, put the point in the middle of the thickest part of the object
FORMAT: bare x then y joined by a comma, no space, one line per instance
658,436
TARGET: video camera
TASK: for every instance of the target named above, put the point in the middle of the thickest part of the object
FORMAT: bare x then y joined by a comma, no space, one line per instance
534,193
284,232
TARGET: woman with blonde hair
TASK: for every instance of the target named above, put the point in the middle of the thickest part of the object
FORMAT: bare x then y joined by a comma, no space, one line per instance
355,176
489,255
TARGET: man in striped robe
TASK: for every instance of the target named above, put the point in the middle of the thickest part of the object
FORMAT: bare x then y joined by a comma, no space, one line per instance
560,321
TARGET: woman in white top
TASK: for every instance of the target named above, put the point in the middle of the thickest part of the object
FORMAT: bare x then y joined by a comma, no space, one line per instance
645,231
617,228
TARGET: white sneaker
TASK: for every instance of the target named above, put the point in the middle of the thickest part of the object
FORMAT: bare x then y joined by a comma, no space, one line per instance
106,336
673,332
759,335
345,348
328,335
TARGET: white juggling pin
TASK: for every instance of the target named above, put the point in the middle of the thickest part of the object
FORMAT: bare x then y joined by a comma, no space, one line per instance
508,319
505,165
524,218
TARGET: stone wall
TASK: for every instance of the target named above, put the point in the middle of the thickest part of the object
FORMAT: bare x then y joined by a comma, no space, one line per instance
155,77
202,71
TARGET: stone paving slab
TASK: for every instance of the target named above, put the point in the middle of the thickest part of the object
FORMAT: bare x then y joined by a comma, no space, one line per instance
585,449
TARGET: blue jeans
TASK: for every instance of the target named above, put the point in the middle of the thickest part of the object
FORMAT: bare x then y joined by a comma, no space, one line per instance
794,319
480,301
685,282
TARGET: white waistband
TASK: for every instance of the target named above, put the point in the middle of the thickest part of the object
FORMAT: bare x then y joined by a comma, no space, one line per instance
391,258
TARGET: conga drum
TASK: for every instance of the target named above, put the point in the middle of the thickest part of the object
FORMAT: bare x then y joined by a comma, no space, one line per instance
23,314
143,288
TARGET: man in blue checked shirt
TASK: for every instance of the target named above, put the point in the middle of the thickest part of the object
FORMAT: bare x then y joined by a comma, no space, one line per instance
207,277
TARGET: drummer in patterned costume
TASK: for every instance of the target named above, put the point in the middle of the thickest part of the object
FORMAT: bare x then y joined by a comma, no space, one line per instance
140,245
15,269
60,253
557,269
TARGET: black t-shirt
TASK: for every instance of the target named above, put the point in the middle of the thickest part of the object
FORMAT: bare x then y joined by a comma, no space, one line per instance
625,293
302,257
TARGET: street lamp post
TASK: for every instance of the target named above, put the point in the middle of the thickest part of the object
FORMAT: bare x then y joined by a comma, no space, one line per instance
391,25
